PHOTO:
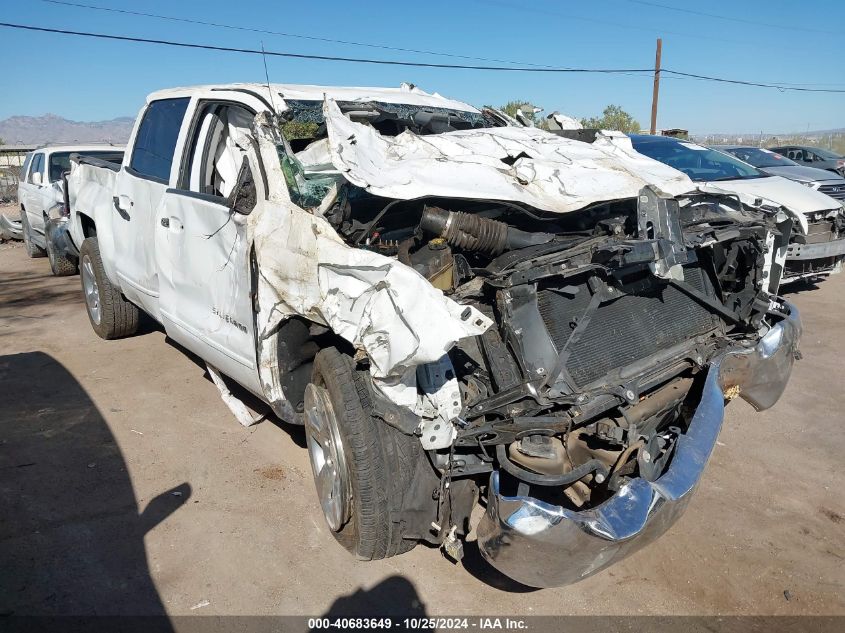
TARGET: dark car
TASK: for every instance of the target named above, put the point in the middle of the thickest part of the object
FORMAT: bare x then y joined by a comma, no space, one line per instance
813,157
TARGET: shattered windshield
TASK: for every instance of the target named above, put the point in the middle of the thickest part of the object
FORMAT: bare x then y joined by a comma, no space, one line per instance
304,156
306,190
391,119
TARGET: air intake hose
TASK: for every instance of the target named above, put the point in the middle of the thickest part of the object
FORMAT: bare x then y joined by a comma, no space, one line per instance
471,232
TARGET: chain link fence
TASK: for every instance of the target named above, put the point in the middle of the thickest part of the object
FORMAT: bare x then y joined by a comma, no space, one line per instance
9,184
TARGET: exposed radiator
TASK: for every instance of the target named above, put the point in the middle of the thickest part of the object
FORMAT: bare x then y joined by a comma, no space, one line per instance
630,328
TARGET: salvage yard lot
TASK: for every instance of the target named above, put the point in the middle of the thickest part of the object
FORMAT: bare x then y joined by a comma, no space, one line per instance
128,487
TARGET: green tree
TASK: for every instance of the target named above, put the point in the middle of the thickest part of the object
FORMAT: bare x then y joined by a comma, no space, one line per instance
613,118
299,129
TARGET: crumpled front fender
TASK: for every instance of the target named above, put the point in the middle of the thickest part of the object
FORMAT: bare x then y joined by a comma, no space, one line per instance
543,545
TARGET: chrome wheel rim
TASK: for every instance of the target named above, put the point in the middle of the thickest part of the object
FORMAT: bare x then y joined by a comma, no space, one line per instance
91,290
328,460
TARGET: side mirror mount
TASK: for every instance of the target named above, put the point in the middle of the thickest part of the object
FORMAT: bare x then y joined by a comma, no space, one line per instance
243,196
36,178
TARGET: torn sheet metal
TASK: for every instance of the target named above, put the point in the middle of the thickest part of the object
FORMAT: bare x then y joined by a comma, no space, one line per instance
376,303
558,121
238,408
751,198
524,165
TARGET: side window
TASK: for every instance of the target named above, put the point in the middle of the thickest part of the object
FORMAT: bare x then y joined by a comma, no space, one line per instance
25,167
155,143
220,142
37,167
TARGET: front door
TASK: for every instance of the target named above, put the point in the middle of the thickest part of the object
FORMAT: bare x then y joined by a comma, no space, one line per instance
201,245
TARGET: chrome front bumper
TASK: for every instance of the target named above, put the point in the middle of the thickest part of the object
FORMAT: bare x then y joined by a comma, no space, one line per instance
542,545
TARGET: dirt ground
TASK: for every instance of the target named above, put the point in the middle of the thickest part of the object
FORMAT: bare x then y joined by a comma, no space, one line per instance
126,486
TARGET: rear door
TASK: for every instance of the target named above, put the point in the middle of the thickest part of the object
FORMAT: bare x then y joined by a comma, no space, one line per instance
202,248
139,189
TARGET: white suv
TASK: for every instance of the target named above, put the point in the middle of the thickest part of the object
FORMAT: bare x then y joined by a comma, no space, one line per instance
41,196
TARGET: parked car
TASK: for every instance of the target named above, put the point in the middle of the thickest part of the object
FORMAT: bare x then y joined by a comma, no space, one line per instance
774,164
41,199
450,306
813,157
817,247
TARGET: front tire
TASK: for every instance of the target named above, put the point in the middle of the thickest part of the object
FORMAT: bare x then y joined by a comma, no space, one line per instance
111,315
364,469
32,249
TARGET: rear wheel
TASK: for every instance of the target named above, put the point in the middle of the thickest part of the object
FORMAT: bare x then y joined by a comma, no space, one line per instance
60,264
111,315
364,470
32,249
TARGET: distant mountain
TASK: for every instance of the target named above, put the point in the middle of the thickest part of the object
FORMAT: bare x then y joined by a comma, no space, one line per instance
49,128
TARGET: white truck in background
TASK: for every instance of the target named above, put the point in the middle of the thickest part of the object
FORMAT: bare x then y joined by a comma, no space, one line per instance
42,201
450,305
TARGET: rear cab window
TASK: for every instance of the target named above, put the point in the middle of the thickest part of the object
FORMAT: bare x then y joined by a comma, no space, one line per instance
155,142
60,161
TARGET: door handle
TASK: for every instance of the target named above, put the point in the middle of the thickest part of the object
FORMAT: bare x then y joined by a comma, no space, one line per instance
120,202
165,222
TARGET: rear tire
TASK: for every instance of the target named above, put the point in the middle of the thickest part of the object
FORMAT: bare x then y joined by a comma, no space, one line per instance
60,264
111,315
32,249
379,462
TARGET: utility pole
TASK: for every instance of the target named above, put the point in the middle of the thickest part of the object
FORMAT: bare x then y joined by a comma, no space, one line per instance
656,86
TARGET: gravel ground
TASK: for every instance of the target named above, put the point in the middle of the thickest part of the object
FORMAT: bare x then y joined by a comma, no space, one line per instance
126,486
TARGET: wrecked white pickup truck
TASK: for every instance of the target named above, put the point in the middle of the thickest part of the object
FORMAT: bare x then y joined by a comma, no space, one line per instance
455,310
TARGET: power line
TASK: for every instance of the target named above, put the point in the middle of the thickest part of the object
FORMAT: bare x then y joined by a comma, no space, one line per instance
392,48
313,38
387,62
781,87
333,58
732,19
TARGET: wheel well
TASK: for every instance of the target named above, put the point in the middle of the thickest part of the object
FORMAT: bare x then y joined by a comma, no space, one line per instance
89,229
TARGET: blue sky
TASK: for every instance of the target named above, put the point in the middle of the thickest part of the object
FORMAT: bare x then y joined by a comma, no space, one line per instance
85,79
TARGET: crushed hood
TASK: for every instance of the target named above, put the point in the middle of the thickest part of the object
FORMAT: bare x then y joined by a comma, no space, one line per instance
523,165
